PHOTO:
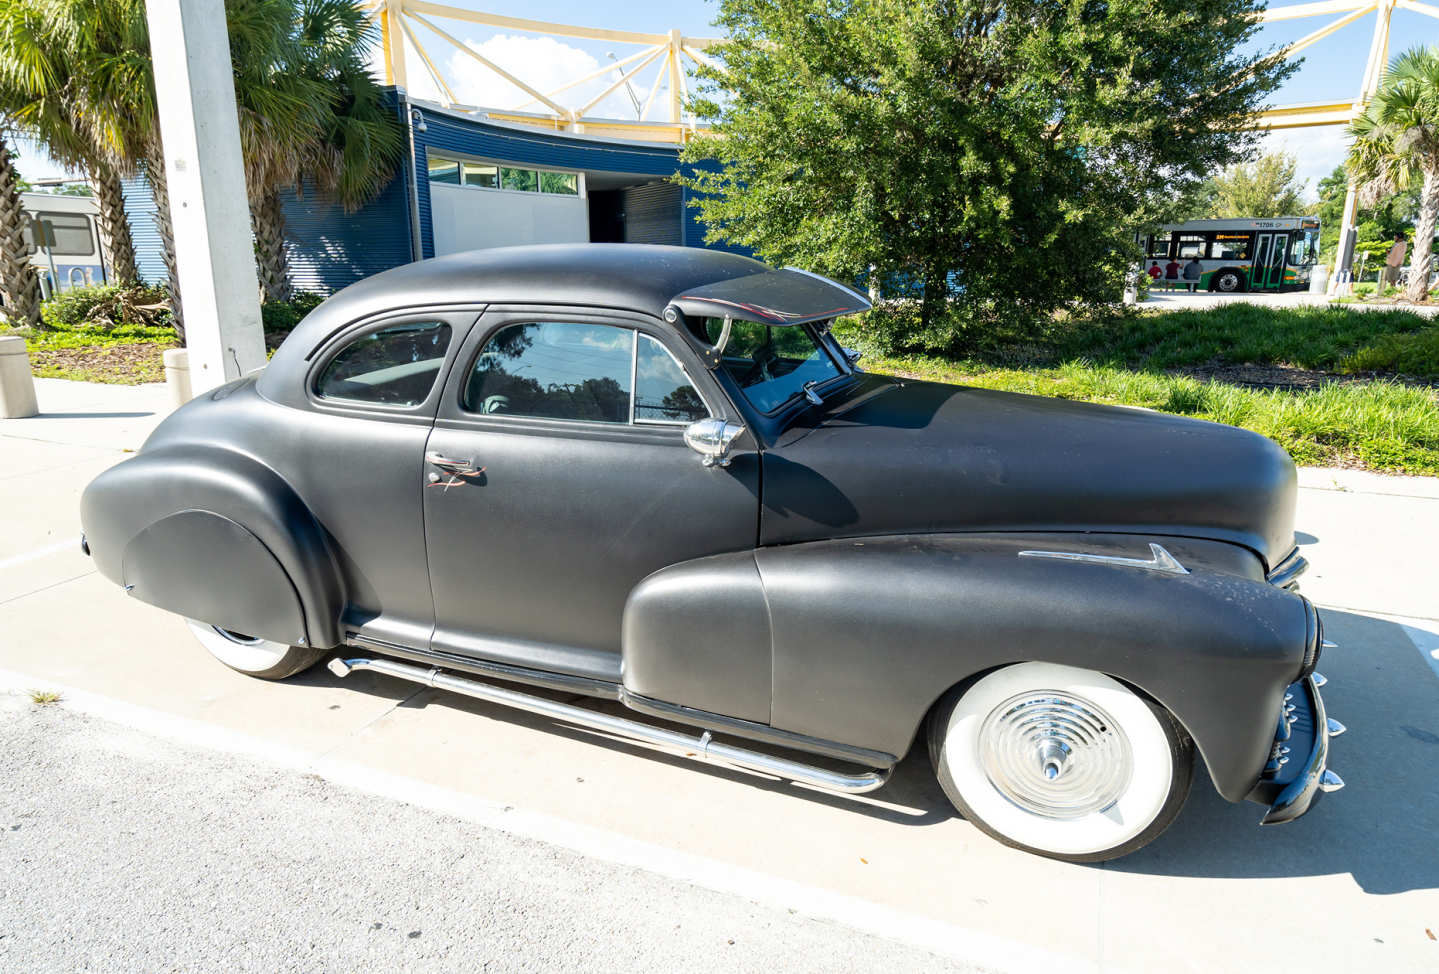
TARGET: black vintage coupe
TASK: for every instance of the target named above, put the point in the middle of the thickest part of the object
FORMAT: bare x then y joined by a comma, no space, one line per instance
651,474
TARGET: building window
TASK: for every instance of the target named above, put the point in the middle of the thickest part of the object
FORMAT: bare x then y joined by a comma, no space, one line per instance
563,183
482,175
524,180
444,170
489,175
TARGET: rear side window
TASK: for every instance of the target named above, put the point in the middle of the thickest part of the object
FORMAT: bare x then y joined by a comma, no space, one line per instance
395,366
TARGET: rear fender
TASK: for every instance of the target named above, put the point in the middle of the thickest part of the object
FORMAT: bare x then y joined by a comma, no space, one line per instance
199,530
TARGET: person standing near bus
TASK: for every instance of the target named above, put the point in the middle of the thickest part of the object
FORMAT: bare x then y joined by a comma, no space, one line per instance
1393,262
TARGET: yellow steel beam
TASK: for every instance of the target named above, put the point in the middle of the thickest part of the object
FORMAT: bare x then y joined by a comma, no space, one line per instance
1326,30
440,83
1296,10
1419,8
1306,116
655,85
532,26
535,95
597,72
614,86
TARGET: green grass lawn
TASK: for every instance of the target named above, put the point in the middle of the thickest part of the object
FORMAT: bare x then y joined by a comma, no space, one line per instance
1389,422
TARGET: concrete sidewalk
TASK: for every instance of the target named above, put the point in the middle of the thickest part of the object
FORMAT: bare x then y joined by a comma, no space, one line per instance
1353,885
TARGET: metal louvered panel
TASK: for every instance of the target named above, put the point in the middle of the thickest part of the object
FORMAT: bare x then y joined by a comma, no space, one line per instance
140,210
330,249
652,214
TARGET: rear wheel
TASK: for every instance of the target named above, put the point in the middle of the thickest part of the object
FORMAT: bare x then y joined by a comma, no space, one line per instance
261,658
1060,761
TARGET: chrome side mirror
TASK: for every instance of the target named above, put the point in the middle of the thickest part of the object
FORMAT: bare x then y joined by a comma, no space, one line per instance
852,356
711,439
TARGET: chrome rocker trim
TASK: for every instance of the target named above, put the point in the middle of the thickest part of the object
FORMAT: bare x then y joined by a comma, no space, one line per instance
1160,560
702,748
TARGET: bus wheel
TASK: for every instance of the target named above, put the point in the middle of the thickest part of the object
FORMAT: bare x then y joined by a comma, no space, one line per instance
1228,281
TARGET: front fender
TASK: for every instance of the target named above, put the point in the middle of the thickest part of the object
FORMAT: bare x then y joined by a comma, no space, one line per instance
129,515
868,633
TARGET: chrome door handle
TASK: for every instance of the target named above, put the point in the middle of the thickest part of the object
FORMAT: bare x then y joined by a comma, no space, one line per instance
447,463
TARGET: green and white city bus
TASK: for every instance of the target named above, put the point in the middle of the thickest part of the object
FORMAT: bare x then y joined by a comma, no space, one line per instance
1239,255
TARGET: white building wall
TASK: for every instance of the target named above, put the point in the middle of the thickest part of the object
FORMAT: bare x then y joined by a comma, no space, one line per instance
464,218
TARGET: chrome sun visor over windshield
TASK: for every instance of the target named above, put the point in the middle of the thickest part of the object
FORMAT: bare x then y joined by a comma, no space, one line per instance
775,298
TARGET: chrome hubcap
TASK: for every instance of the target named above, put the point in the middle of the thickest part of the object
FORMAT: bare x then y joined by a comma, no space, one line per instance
1055,754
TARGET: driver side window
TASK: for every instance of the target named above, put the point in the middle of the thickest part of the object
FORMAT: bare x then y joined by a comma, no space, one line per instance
580,371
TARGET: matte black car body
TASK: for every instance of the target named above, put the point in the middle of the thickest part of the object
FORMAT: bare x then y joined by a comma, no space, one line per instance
854,560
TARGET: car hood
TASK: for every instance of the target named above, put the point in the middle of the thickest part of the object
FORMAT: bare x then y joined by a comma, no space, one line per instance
899,457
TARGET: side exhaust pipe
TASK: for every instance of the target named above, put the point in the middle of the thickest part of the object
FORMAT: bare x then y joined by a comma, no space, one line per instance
702,748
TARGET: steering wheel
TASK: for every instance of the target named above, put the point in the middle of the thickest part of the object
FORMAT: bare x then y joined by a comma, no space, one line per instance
760,370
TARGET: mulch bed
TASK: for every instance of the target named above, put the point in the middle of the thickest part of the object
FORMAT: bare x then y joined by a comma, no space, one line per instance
1289,378
127,364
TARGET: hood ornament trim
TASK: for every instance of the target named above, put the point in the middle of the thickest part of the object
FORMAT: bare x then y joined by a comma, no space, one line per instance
1160,560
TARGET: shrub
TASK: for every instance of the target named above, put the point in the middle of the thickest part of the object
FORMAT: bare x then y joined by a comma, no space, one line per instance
279,317
1415,353
107,306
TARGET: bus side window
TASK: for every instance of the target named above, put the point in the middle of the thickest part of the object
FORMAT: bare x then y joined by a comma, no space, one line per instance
1159,245
1191,245
1230,246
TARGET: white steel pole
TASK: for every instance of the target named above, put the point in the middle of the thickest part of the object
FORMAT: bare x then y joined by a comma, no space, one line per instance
1341,281
205,172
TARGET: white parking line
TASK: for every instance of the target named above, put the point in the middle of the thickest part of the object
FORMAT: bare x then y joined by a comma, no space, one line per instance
970,946
73,545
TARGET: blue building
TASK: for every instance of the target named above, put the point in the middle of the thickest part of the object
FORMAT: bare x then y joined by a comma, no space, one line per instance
470,183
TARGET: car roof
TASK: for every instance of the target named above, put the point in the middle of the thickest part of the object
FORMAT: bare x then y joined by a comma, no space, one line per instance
635,277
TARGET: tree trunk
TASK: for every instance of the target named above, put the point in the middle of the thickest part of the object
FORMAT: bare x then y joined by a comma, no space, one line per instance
935,300
1418,289
267,218
155,176
18,282
114,224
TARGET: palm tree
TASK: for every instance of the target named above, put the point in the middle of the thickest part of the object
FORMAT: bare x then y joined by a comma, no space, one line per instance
78,74
18,283
348,145
1396,148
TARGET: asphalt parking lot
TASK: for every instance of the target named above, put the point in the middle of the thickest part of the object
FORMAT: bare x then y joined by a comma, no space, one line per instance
1353,885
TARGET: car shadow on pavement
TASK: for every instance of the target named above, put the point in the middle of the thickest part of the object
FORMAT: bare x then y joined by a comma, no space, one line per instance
911,796
1382,827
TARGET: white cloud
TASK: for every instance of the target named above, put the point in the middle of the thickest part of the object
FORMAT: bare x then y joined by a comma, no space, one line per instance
1318,150
543,63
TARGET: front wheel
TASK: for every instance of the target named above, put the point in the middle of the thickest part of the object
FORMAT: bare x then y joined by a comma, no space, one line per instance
1060,761
261,658
1228,282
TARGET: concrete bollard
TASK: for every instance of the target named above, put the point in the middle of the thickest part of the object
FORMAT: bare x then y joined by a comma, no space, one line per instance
177,375
17,388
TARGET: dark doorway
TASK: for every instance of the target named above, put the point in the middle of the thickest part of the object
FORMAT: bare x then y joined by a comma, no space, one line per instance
607,216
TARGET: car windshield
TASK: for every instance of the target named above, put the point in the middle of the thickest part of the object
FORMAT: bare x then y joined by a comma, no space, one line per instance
773,365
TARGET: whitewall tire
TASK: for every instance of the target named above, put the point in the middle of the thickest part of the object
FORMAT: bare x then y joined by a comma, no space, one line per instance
1061,761
262,658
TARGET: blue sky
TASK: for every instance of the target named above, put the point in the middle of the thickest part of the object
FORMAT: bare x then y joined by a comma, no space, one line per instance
1331,71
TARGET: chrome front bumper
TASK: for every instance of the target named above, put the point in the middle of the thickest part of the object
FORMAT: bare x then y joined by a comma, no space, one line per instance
1298,769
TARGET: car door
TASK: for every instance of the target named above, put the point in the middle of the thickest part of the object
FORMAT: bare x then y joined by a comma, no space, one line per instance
557,477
